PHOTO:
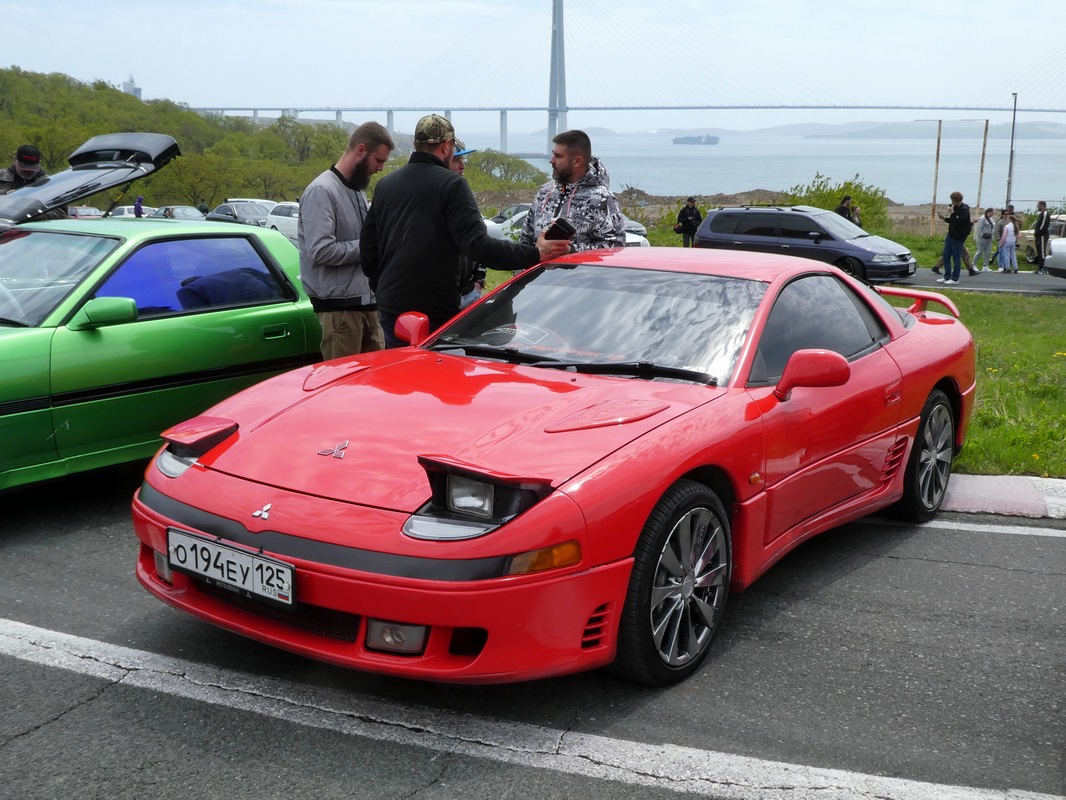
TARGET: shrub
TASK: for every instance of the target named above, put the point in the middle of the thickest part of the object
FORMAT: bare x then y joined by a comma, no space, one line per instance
823,193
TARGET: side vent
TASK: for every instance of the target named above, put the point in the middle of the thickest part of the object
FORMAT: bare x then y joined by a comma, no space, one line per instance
596,628
894,460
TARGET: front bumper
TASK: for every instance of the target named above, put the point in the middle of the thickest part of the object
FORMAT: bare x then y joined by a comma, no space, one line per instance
479,631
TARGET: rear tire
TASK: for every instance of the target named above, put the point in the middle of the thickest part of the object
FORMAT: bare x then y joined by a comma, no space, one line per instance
678,588
929,466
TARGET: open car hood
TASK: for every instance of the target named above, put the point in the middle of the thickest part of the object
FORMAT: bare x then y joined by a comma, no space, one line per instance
102,163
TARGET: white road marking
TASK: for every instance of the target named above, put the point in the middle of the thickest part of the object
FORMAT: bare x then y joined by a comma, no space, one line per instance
660,766
964,526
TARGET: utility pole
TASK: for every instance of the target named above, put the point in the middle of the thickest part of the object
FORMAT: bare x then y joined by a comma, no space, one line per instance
557,76
1010,164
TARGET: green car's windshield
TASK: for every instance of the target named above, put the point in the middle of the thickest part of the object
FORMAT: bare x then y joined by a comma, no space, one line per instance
630,322
39,269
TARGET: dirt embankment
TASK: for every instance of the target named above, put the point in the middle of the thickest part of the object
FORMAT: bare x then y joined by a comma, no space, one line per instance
651,209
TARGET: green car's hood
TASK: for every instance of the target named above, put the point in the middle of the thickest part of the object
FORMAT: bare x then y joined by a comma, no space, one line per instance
102,163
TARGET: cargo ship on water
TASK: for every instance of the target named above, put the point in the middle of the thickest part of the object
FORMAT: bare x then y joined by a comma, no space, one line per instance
707,139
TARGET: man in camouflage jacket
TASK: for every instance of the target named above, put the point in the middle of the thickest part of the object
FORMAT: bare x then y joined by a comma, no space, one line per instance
579,191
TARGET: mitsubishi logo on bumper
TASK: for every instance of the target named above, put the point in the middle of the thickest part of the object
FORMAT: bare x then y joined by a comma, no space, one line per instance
336,452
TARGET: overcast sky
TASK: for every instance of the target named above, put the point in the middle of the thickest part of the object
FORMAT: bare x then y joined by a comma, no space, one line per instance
438,54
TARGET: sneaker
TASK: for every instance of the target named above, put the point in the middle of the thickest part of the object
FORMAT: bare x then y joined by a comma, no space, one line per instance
988,269
1041,272
940,280
1001,270
936,270
975,272
949,281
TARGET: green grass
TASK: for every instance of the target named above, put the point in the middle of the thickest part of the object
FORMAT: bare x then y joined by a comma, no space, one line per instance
1019,422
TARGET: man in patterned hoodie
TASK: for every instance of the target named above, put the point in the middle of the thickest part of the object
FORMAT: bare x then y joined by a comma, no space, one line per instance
579,191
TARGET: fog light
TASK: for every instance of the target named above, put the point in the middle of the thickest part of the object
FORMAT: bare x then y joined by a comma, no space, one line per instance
162,568
395,637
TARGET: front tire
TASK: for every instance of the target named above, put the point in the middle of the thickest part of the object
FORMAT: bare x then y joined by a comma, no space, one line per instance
853,267
929,467
1030,254
678,588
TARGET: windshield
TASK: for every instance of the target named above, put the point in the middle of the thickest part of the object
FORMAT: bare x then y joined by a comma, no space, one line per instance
838,227
588,314
38,269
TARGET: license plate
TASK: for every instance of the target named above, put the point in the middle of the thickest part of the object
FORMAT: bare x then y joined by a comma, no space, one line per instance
243,571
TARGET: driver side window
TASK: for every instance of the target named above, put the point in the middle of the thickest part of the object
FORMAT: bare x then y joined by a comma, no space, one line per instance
814,312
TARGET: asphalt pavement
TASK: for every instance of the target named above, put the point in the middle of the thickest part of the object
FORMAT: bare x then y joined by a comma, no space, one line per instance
1025,281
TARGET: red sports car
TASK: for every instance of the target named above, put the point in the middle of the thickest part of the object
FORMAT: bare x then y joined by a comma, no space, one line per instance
573,473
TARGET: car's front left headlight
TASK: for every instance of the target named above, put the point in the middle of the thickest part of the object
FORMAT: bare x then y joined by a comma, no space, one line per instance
884,258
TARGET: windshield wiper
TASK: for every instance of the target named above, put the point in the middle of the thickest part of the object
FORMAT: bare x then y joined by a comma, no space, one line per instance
510,354
638,369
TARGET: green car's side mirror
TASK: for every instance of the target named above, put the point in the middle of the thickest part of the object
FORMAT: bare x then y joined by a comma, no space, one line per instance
102,311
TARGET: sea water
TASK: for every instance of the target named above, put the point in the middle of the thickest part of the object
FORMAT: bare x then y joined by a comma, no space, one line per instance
903,168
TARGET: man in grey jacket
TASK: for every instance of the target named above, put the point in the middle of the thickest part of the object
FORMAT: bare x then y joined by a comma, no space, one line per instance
332,211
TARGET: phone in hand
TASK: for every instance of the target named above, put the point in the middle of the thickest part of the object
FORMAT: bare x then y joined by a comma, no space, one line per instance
560,228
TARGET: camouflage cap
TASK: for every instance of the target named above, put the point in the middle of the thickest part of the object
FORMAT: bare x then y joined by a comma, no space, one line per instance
434,129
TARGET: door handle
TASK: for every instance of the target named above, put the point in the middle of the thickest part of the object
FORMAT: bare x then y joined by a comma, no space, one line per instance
279,331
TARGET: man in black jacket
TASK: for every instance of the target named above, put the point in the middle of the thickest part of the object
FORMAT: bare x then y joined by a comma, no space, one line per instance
423,216
689,218
1042,235
959,225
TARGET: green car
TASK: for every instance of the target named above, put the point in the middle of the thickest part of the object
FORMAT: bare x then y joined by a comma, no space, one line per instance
112,330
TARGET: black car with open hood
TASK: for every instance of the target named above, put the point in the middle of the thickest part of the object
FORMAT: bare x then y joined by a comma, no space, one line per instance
102,163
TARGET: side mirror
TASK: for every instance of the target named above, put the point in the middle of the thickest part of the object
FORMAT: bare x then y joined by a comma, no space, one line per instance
815,236
412,327
812,368
103,311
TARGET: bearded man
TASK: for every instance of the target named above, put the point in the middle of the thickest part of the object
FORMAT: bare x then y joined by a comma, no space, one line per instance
332,211
580,192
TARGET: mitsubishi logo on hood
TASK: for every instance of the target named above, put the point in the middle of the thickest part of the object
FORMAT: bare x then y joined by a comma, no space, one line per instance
336,452
264,512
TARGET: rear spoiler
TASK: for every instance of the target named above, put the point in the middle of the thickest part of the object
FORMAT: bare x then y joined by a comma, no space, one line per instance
921,299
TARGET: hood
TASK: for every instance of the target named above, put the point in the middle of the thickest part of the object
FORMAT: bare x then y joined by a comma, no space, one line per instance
879,245
357,428
102,163
596,175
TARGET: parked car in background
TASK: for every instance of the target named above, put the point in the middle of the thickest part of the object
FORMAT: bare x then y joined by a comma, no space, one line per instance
1055,260
509,212
112,330
84,212
284,217
267,204
632,226
574,472
243,213
108,161
511,228
807,232
179,212
1026,240
127,211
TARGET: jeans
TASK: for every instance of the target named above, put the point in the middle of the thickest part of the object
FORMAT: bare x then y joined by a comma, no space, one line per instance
980,256
1009,256
952,258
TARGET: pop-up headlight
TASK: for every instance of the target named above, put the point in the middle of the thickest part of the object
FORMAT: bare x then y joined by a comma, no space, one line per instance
467,502
189,440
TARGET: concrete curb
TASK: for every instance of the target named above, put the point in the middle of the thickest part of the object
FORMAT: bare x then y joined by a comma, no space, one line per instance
1007,495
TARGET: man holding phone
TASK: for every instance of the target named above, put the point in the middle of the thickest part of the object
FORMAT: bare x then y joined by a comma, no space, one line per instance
578,194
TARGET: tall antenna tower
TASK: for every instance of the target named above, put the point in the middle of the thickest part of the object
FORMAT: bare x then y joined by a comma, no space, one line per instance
557,78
